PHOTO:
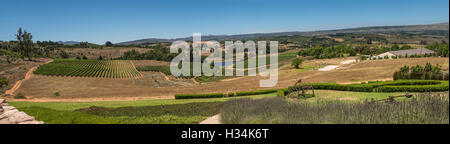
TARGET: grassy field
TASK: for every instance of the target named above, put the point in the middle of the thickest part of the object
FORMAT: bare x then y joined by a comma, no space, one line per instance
89,68
154,111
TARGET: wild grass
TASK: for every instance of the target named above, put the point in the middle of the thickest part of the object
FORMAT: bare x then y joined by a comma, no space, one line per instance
422,109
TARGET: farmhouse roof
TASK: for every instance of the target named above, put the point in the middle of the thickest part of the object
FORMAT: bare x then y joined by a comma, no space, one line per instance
412,52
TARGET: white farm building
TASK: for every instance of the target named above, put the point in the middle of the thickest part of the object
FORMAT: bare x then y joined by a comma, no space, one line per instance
403,53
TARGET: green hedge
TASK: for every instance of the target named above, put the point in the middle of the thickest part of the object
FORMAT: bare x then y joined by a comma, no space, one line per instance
193,96
388,86
230,94
256,92
372,86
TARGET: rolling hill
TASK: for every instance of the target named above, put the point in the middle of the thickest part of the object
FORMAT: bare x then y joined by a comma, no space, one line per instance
441,29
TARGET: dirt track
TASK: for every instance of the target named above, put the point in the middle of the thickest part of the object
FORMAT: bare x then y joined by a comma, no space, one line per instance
19,83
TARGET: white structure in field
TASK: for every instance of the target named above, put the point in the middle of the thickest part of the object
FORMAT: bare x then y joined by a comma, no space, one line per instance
403,53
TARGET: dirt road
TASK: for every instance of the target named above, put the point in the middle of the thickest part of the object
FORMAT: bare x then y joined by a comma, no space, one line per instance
27,76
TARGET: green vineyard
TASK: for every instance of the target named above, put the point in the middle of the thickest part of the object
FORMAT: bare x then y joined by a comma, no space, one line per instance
89,68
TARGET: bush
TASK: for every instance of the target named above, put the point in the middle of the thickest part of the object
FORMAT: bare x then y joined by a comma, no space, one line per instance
193,96
230,94
296,63
3,82
19,96
281,93
56,94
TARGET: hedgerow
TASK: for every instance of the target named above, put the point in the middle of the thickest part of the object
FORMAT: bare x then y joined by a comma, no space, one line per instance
256,92
388,86
193,96
371,86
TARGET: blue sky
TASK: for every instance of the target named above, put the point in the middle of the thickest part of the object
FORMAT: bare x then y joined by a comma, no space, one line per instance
122,20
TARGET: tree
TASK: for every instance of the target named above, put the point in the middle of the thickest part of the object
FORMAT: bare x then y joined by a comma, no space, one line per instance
25,43
108,44
296,63
100,58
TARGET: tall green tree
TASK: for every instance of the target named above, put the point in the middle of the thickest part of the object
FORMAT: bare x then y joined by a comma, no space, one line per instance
25,43
108,44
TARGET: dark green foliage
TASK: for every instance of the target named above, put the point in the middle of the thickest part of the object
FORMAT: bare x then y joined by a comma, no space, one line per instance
158,52
56,94
422,109
329,52
281,93
256,92
388,86
108,44
440,48
194,96
3,82
296,63
231,94
428,72
19,96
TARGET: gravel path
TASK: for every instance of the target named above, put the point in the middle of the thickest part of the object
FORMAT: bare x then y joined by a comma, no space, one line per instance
212,120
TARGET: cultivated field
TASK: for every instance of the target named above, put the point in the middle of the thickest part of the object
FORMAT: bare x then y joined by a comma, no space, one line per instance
89,68
84,89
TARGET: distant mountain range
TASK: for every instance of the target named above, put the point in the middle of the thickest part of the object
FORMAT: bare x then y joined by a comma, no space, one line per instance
68,42
431,29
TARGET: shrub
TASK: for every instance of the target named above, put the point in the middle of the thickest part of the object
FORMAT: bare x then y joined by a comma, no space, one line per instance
56,94
193,96
428,72
19,96
281,93
3,82
230,94
296,63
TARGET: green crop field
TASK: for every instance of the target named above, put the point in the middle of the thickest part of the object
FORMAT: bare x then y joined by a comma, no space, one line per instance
89,68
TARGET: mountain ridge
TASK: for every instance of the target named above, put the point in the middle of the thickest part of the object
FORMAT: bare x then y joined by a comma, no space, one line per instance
437,27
